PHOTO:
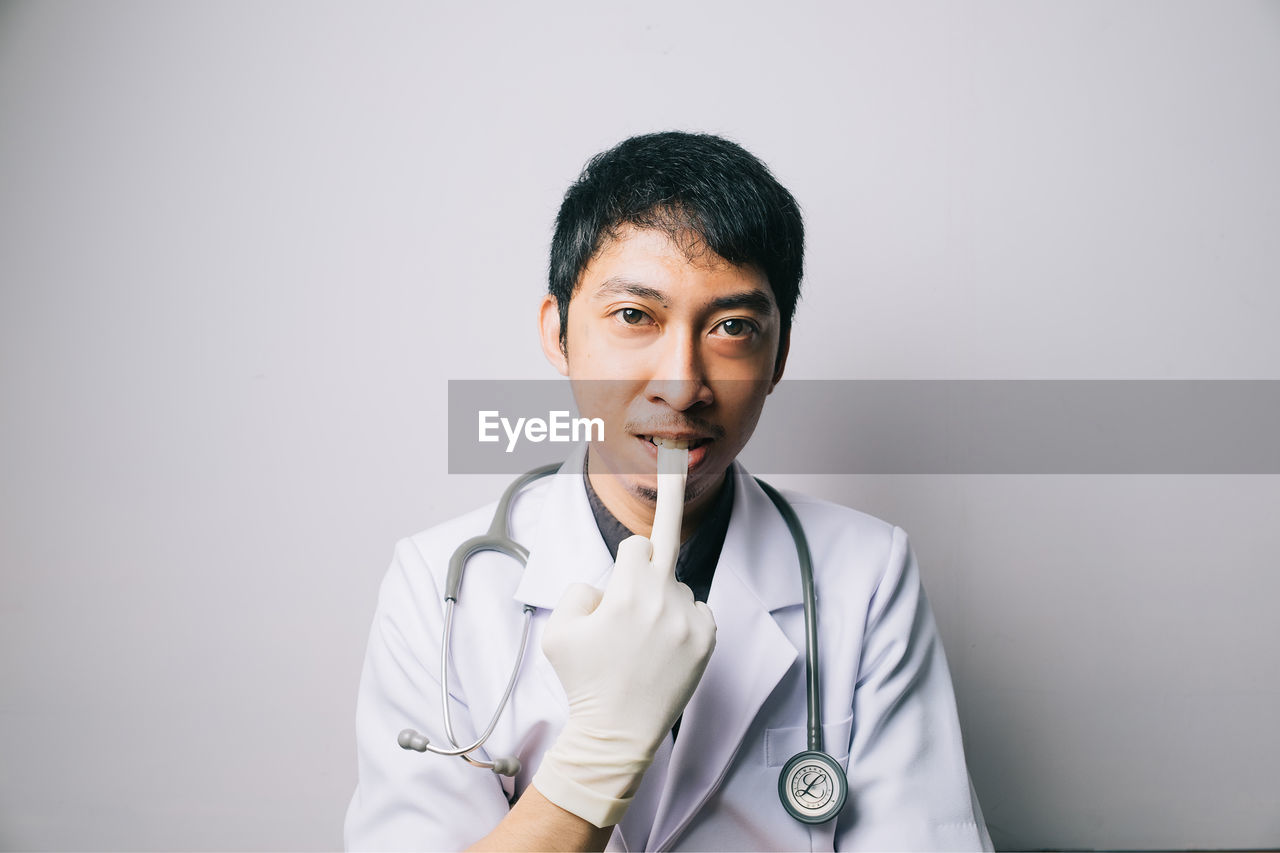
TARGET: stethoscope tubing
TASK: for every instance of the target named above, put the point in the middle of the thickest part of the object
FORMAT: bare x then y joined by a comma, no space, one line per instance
498,538
812,687
444,689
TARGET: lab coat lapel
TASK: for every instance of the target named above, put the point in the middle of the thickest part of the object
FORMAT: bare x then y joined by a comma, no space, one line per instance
565,547
758,572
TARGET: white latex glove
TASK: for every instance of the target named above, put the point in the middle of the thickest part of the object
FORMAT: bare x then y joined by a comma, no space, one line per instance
629,659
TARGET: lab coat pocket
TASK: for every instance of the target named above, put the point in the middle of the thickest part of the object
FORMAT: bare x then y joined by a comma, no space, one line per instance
781,744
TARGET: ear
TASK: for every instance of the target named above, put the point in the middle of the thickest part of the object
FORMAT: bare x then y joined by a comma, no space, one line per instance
549,330
784,348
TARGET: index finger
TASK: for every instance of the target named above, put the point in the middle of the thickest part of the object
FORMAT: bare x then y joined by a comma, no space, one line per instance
673,472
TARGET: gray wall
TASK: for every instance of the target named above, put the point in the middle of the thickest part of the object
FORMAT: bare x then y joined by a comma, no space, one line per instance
243,246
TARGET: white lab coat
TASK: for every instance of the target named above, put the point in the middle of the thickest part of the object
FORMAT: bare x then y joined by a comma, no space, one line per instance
888,709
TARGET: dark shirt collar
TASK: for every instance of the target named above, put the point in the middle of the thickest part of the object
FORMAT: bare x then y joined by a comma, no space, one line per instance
696,562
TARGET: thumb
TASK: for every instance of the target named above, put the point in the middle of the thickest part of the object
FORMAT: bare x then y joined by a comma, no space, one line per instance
579,599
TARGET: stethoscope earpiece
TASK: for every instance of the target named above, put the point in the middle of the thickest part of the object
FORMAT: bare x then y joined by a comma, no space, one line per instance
409,739
508,766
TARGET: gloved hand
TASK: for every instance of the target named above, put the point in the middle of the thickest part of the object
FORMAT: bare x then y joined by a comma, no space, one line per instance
629,659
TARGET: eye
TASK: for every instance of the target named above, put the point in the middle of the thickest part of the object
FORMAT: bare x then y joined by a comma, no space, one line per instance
737,327
632,316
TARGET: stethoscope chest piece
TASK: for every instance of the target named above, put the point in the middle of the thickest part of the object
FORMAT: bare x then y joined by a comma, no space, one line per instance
813,787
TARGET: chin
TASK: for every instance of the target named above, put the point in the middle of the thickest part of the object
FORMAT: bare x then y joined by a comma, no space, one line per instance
699,487
649,494
694,488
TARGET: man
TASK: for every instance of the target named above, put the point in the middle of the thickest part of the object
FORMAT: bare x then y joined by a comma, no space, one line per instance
657,711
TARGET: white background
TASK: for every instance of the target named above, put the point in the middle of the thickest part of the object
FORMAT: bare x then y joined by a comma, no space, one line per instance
244,246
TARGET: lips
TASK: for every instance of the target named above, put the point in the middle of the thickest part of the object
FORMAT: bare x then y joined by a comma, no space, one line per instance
678,442
697,444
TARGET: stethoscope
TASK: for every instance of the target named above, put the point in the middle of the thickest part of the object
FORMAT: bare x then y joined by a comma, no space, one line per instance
812,786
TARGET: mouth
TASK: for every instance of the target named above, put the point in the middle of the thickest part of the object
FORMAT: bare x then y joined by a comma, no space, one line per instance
676,442
696,444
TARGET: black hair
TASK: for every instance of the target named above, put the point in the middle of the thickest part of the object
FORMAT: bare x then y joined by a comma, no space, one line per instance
702,190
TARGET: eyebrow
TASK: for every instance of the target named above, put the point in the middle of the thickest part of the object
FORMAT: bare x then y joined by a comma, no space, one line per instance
622,286
752,300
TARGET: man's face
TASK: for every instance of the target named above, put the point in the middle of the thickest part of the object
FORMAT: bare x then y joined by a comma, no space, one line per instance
690,349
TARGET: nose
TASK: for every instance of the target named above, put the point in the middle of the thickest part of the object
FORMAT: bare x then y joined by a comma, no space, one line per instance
679,378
